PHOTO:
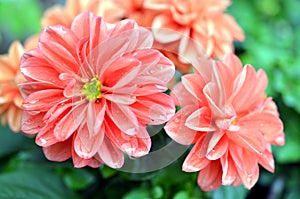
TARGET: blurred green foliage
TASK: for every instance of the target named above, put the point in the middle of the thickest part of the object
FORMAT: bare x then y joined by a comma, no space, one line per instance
272,29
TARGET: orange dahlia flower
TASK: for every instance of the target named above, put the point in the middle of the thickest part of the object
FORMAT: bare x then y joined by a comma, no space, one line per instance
203,21
92,89
10,96
65,15
231,121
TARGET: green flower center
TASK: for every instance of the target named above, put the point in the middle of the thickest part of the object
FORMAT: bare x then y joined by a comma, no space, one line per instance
92,90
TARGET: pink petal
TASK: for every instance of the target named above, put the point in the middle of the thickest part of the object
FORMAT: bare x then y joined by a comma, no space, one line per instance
31,124
95,116
193,162
110,154
79,162
176,129
121,44
266,159
210,177
62,35
82,20
246,165
59,57
233,62
218,146
247,81
153,109
268,124
45,73
134,146
229,171
154,64
59,152
250,139
195,84
43,100
200,120
121,72
123,26
182,97
123,117
125,99
45,137
86,144
70,122
216,107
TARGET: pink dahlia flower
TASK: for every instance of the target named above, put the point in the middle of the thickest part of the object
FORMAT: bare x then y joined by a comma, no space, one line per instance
203,21
92,89
10,96
231,121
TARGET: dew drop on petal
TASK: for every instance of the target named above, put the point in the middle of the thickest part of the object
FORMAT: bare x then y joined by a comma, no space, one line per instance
33,101
43,141
131,131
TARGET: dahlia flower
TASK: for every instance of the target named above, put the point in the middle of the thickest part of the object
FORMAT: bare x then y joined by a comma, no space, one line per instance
10,96
91,90
203,21
229,119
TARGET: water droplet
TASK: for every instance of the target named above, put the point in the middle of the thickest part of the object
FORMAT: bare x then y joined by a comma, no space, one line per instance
176,120
33,101
249,178
131,131
43,141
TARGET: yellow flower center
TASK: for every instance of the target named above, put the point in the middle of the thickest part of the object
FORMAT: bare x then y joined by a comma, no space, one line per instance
92,90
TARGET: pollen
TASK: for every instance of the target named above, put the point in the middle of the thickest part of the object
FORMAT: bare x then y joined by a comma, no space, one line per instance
92,89
233,122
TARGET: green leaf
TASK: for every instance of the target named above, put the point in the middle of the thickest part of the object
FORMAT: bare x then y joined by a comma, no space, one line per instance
140,193
79,179
181,195
37,184
107,172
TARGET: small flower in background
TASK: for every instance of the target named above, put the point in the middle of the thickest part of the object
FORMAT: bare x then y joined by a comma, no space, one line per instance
204,22
10,96
92,89
231,121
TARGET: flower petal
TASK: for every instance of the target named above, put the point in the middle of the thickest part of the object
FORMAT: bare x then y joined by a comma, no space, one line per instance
68,124
153,109
210,177
134,146
43,100
123,118
179,132
59,152
110,154
229,171
193,162
86,144
200,120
